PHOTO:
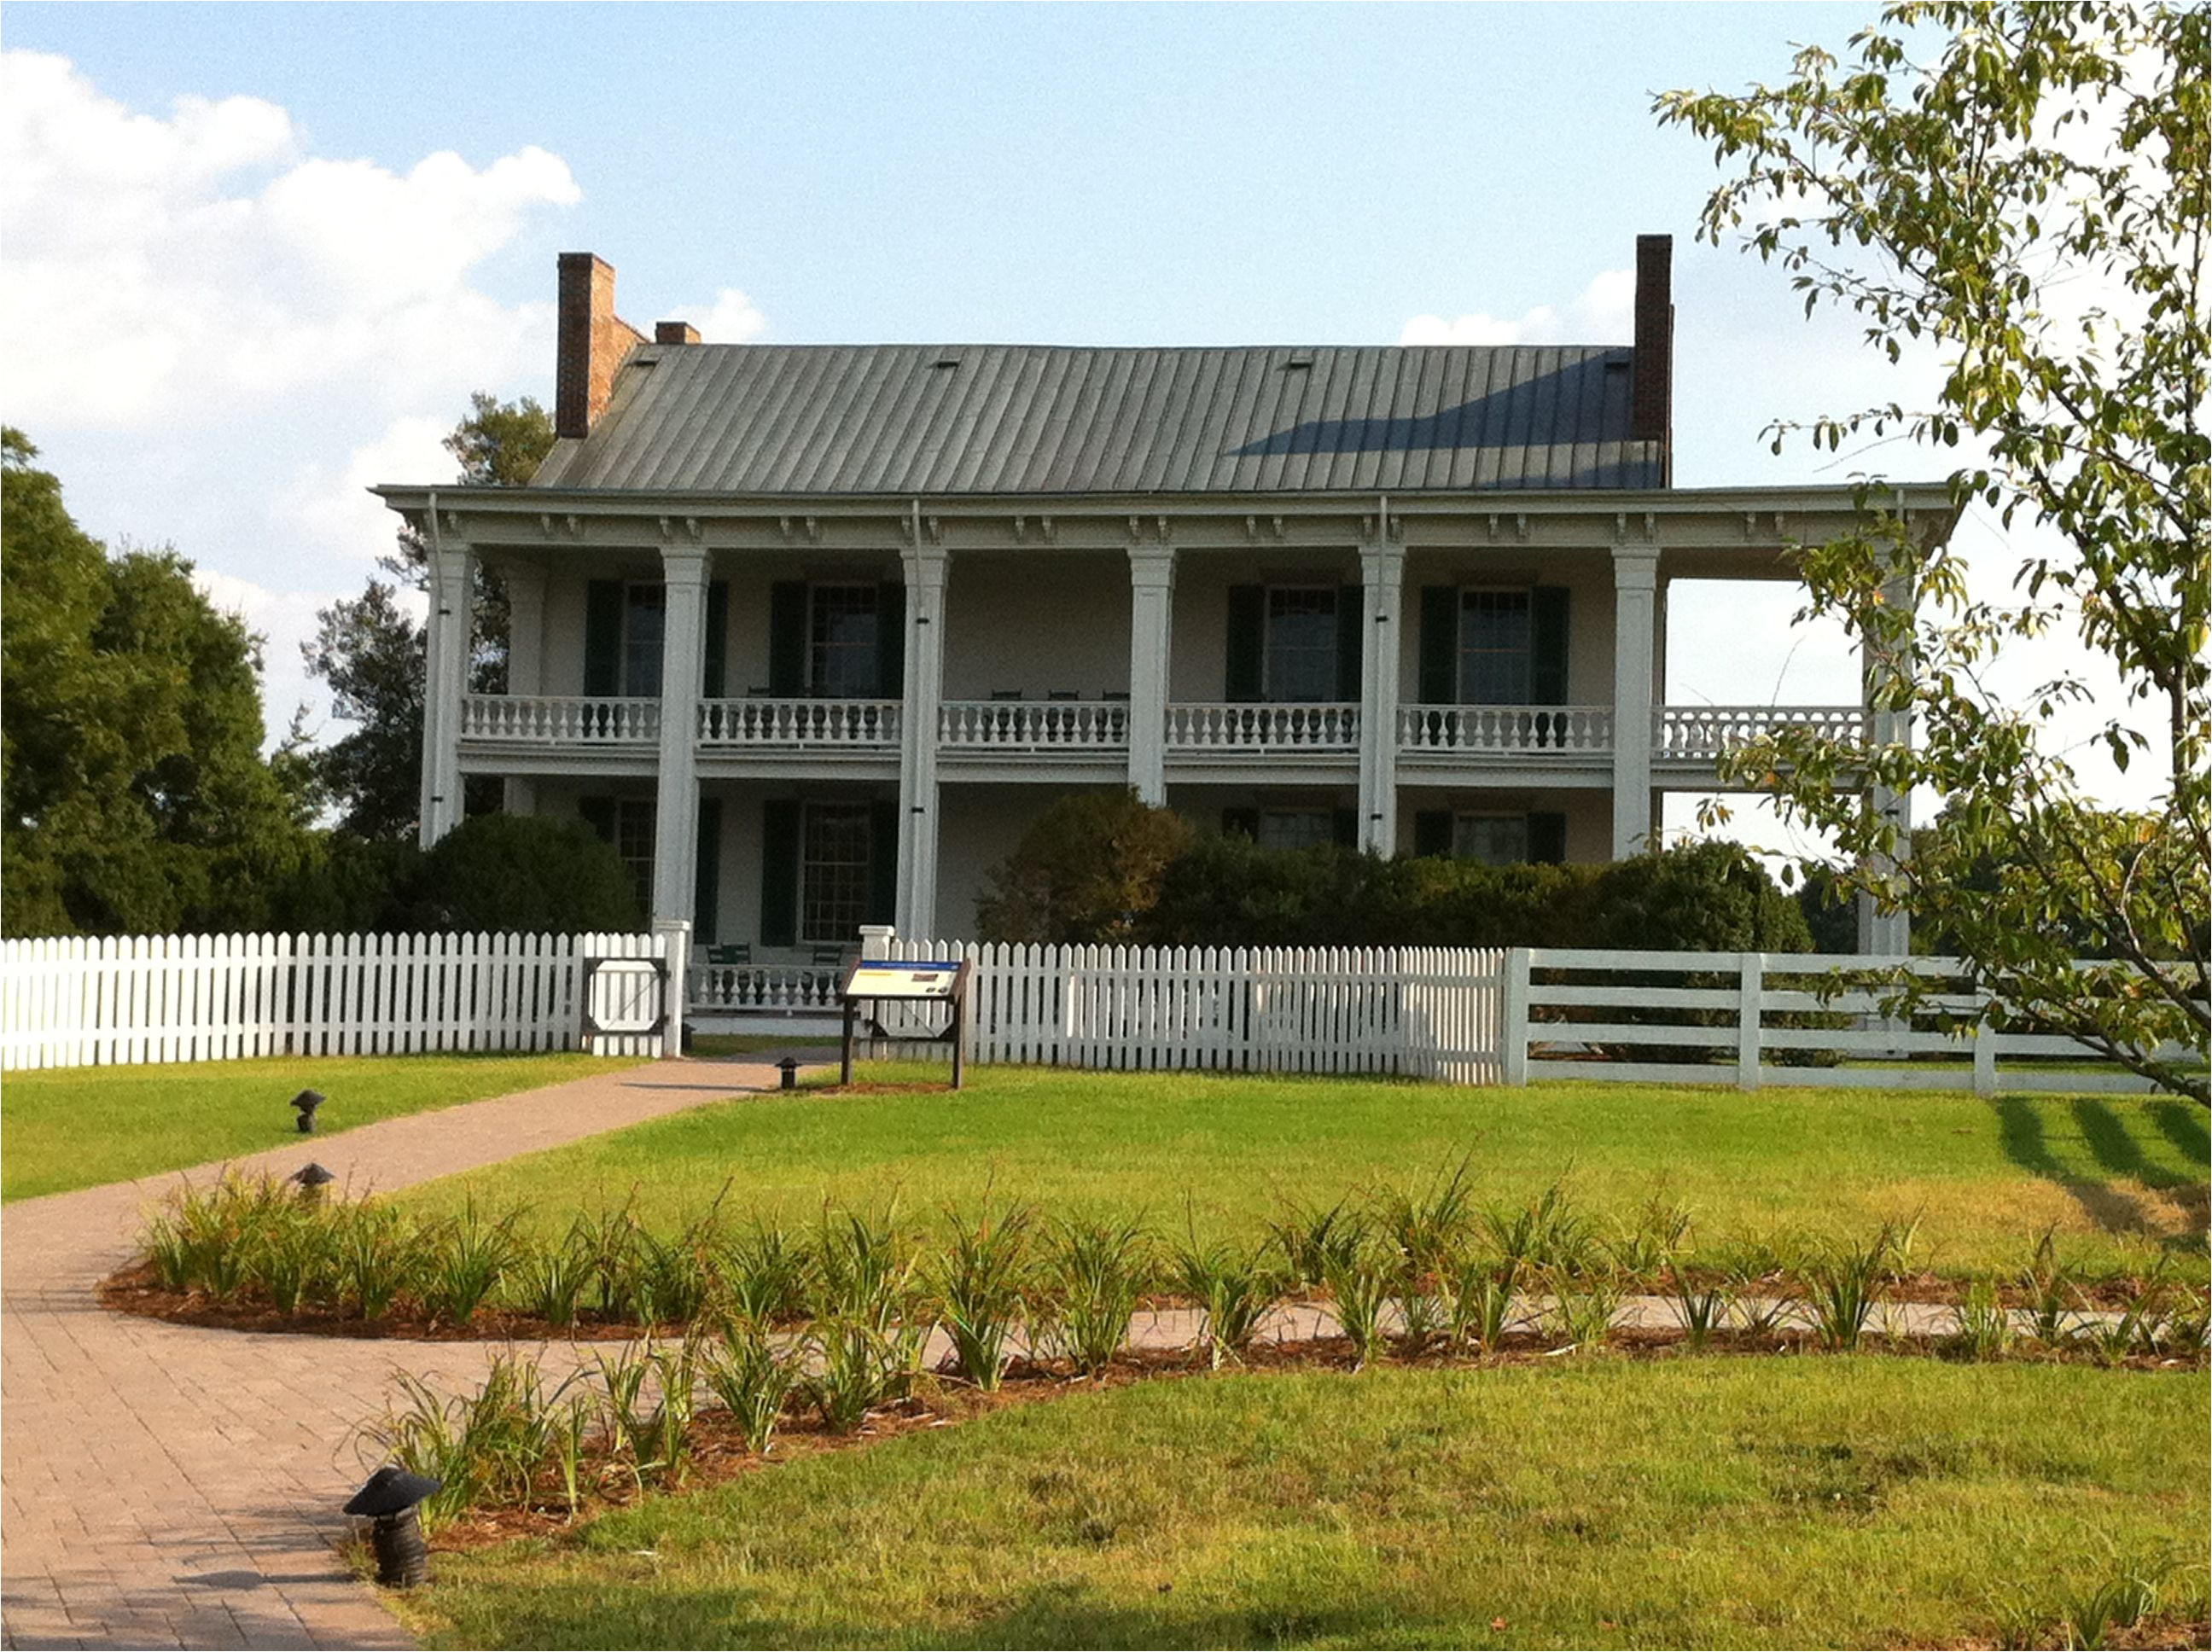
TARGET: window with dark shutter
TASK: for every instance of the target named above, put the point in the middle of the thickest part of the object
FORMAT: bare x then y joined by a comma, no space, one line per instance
707,889
1439,674
882,865
787,641
1547,672
891,643
779,898
1350,640
1433,832
603,623
1548,839
716,683
1246,654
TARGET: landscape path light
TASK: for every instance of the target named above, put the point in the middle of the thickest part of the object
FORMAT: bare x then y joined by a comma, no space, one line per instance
311,1179
789,1068
387,1501
305,1103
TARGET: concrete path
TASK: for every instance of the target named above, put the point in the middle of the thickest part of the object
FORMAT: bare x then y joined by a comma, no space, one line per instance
168,1485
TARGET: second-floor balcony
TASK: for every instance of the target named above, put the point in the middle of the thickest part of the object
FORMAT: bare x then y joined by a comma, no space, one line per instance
1087,729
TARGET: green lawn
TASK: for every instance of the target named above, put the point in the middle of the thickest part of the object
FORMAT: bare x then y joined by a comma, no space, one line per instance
80,1127
1693,1501
1986,1176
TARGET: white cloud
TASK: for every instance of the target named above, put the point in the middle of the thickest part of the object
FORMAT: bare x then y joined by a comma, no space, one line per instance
731,319
284,620
1604,313
198,267
332,508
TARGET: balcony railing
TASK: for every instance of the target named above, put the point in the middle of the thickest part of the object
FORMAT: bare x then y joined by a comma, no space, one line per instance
1263,728
853,724
1708,730
1014,727
1513,730
541,720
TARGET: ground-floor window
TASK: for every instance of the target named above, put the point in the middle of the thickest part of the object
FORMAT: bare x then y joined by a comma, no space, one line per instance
1494,840
833,871
633,824
1296,828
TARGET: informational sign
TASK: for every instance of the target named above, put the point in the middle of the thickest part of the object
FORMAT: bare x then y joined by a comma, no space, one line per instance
932,979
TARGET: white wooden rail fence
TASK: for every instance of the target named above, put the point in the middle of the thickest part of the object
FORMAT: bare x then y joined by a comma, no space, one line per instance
82,1002
1429,1012
1568,1014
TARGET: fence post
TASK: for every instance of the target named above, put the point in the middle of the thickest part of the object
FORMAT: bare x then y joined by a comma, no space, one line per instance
676,936
876,940
1751,976
1985,1054
1514,1034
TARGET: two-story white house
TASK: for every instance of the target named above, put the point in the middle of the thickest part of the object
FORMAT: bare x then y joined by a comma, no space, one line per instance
812,632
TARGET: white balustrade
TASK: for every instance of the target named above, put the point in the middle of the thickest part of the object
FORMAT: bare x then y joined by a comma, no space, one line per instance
1016,725
871,725
1249,727
1709,731
1535,730
770,986
545,719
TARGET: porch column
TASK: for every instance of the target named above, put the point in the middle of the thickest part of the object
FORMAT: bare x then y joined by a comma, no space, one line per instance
1151,613
525,662
923,693
1635,626
1886,934
682,676
451,572
1383,577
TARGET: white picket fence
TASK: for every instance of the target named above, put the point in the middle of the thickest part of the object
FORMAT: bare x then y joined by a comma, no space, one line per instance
1429,1012
1733,1014
82,1002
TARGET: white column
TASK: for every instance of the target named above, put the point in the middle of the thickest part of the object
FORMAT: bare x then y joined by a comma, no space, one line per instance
525,662
1886,934
683,675
1151,615
452,576
1635,629
1383,578
676,942
923,693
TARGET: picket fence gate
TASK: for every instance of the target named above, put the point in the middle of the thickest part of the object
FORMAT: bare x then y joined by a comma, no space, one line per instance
1429,1012
79,1001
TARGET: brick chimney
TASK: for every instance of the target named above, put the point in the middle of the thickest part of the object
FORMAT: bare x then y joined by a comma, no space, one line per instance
592,341
1651,396
674,332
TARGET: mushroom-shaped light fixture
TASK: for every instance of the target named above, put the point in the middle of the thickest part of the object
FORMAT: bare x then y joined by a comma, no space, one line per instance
311,1180
789,1068
387,1501
305,1104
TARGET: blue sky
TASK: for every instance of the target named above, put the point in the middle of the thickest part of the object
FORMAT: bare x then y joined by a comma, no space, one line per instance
255,257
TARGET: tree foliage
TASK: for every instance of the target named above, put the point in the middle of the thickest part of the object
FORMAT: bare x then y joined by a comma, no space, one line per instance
371,650
135,798
534,874
2031,201
1086,871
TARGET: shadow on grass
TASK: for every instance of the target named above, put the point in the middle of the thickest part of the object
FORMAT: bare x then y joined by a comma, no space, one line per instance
2116,1151
2183,1124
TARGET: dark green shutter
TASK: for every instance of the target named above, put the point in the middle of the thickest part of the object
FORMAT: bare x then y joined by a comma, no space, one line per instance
706,890
602,628
598,814
718,639
1247,652
1547,641
1245,822
883,866
1351,637
1432,831
779,902
1548,839
890,645
786,639
1439,644
1344,827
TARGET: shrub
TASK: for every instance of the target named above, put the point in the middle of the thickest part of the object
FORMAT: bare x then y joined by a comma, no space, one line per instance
521,873
1087,870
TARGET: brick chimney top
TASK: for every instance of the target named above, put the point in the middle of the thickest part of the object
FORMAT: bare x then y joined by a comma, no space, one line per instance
674,332
591,343
1651,395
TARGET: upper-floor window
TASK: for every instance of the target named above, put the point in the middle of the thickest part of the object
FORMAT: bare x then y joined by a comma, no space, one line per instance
1496,648
645,624
1301,643
844,660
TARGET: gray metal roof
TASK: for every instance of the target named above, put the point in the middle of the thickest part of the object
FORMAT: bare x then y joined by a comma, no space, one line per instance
903,419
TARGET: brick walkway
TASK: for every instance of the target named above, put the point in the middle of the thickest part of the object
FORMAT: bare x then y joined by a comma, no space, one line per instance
167,1485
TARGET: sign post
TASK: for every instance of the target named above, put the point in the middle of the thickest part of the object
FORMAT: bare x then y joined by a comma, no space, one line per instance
943,981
